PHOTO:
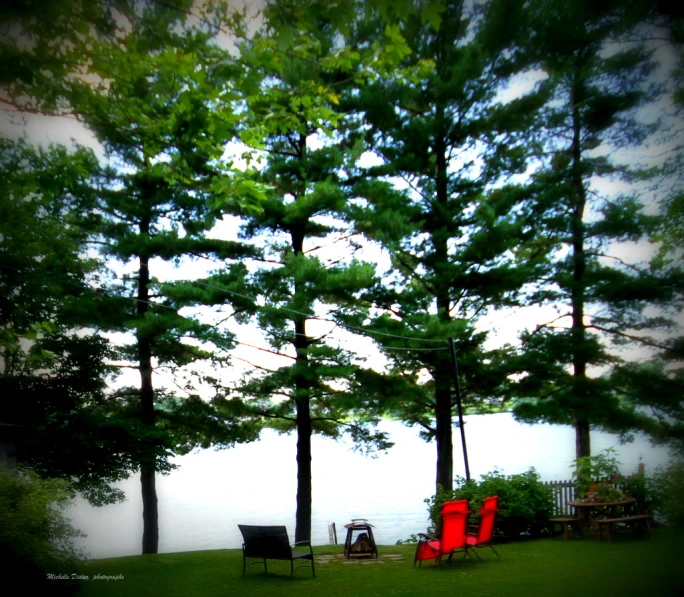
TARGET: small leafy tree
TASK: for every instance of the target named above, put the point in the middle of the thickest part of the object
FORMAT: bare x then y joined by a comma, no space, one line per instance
53,380
595,476
36,539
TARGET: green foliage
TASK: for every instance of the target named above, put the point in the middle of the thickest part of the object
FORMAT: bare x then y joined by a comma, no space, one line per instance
157,93
71,428
666,491
525,503
602,468
44,196
36,539
416,84
53,380
654,391
598,479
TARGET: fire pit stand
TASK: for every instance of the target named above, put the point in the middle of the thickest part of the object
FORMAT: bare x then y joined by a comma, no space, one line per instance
364,546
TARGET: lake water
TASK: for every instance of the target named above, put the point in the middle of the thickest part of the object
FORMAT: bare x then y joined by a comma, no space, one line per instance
201,504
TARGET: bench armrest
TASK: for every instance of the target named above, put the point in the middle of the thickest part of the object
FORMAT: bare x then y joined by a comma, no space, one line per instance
305,544
427,537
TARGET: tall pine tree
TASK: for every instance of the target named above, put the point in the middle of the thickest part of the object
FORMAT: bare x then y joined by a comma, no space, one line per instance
451,227
596,80
150,98
304,275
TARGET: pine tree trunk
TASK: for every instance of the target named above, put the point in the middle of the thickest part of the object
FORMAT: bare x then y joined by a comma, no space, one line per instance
580,390
150,540
303,515
302,391
443,426
443,376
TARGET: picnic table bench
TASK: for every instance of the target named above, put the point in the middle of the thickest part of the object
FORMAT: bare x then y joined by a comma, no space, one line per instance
572,526
639,524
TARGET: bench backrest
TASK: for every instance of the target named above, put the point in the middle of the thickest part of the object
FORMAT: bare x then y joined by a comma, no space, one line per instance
265,541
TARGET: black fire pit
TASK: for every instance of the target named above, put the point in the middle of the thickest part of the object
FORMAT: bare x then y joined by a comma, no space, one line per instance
364,545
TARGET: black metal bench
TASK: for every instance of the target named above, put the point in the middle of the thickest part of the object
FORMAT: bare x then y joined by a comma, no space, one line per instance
272,543
639,523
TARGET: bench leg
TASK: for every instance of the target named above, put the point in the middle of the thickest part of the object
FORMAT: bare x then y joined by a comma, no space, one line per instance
578,527
244,564
571,529
641,528
604,530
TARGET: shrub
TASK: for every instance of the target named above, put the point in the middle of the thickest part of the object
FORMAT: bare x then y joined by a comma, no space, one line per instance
525,503
35,537
666,490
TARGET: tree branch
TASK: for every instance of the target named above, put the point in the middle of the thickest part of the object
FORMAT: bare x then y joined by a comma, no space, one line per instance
640,340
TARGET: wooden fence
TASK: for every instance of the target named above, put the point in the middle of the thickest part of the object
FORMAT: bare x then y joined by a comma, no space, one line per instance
563,492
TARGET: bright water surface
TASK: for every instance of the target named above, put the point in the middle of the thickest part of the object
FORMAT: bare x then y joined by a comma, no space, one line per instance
201,504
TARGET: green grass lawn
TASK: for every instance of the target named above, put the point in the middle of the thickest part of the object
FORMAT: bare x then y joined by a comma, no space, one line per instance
546,567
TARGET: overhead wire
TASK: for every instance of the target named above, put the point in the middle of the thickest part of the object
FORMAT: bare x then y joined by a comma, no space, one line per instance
257,306
328,320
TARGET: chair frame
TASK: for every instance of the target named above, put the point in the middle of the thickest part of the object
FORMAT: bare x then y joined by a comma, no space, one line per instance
272,543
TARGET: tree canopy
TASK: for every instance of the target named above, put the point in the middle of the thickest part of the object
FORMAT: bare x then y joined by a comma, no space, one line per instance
322,178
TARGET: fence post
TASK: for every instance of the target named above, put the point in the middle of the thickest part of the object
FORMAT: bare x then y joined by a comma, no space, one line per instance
332,534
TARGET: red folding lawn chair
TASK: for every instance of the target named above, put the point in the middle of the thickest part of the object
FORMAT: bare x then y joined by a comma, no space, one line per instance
453,534
483,536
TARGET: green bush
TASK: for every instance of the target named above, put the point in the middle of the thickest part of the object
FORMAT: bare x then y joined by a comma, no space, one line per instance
525,503
35,537
666,490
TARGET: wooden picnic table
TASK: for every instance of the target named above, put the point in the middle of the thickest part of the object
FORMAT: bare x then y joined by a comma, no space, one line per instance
589,510
595,514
